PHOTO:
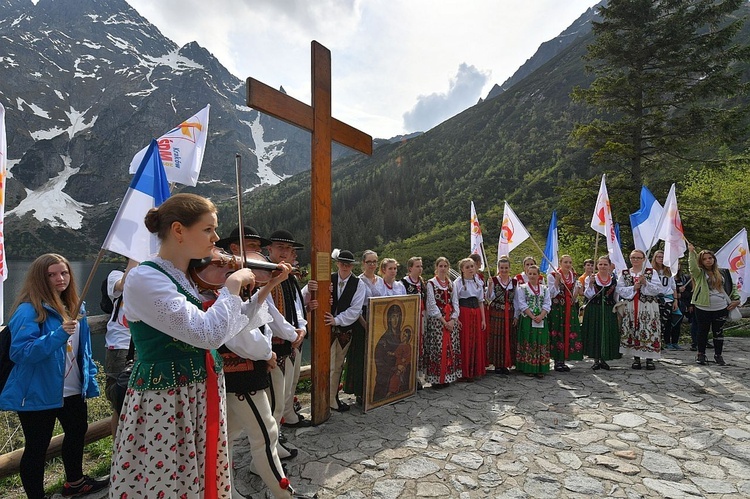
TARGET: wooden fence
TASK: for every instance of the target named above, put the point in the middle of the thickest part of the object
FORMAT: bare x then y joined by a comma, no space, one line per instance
9,463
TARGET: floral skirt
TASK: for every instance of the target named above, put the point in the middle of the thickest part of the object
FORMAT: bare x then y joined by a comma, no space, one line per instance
564,346
161,442
532,356
641,338
441,358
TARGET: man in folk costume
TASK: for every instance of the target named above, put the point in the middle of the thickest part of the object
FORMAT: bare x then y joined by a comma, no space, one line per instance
289,301
278,328
348,294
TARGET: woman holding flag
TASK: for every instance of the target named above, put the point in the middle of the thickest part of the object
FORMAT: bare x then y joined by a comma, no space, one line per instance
640,331
601,336
172,437
712,302
503,340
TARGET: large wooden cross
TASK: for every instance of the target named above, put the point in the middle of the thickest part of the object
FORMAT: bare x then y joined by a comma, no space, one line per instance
316,119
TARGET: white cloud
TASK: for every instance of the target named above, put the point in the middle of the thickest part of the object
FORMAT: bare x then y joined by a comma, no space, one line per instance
435,108
386,55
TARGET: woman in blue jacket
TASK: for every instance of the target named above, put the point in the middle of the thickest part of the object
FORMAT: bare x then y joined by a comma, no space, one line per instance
53,374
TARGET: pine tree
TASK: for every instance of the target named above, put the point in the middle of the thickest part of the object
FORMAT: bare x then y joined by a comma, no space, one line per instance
667,74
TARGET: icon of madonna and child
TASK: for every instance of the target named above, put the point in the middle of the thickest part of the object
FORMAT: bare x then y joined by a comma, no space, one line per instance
392,349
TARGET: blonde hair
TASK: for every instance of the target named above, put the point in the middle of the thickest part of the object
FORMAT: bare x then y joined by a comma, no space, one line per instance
37,290
384,262
660,267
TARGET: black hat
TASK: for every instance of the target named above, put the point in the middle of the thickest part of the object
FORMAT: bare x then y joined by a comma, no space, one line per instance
284,236
343,256
234,237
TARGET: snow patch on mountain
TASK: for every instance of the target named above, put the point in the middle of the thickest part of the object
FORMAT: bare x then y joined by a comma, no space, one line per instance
49,203
34,108
175,61
265,152
77,122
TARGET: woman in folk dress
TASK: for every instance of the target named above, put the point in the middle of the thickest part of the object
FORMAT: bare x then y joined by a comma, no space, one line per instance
533,303
442,342
468,299
503,341
640,330
172,437
601,333
564,327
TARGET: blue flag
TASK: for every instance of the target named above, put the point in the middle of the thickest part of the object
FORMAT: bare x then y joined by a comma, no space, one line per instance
551,248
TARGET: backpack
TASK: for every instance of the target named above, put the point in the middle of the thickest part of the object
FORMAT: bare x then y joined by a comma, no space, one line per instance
106,303
6,365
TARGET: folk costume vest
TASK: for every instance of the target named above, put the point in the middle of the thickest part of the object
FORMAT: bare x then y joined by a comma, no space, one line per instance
166,362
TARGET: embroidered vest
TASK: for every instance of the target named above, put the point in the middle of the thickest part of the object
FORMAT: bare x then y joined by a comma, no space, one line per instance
163,361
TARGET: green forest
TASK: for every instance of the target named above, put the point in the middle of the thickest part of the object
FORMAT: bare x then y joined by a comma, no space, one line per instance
413,198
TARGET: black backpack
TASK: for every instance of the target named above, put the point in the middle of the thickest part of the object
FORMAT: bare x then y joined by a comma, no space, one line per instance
6,365
106,303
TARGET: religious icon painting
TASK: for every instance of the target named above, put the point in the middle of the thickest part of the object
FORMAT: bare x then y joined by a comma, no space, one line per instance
391,356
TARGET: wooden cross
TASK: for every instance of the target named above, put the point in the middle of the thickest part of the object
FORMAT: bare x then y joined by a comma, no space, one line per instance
316,119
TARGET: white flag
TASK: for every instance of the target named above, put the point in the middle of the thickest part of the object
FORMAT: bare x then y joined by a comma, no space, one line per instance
3,177
181,149
476,237
512,232
733,256
670,231
603,224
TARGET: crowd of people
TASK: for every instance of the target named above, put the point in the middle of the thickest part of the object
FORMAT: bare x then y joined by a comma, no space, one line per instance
209,365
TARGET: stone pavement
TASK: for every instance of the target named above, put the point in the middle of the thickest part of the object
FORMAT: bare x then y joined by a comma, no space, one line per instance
682,430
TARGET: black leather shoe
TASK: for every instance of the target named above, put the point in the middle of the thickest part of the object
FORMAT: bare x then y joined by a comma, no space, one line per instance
560,368
650,366
604,365
342,406
566,367
636,364
719,360
292,454
596,366
302,423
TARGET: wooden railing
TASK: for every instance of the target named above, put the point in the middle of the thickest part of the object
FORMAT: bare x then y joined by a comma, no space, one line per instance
9,463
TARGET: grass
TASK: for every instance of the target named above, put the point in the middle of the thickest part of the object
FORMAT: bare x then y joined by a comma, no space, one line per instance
97,455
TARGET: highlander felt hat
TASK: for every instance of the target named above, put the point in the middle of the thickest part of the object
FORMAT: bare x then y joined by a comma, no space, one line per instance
234,237
284,236
343,256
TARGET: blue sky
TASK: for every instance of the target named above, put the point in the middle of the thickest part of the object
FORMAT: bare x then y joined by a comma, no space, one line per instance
398,66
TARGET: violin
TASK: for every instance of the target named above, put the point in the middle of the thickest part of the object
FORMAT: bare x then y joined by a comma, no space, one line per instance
212,272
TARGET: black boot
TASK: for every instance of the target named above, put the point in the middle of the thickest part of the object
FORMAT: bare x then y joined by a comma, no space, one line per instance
719,360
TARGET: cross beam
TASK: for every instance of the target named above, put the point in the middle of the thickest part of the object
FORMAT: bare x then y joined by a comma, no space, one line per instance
316,119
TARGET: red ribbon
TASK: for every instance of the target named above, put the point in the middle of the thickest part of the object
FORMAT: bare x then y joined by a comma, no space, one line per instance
212,428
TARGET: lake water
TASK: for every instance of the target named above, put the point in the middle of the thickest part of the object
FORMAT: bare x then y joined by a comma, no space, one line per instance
17,273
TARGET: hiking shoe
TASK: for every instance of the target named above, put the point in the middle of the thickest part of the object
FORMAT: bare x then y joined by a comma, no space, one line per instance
87,486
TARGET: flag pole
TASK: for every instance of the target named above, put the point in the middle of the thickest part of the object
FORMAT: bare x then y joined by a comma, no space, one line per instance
548,261
88,281
596,246
486,262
